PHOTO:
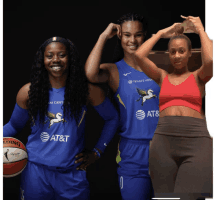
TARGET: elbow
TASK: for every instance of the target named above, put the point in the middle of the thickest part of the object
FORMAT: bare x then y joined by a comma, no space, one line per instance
90,76
88,73
138,55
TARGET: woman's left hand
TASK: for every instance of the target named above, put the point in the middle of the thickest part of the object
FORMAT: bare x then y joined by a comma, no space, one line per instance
197,24
171,31
87,158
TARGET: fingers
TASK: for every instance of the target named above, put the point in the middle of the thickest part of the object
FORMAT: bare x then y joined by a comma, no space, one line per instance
112,30
82,157
86,159
79,160
79,155
189,17
183,17
82,166
176,24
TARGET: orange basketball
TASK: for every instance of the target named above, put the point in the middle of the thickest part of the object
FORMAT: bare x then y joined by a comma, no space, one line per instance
14,157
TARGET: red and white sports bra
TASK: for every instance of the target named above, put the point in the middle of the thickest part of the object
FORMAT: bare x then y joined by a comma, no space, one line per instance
185,94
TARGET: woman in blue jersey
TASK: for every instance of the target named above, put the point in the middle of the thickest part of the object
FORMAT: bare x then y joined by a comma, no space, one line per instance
137,98
55,103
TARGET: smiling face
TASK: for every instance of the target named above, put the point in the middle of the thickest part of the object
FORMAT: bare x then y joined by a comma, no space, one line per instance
179,53
132,36
56,59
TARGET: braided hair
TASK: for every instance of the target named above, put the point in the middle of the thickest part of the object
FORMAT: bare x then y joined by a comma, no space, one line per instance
118,51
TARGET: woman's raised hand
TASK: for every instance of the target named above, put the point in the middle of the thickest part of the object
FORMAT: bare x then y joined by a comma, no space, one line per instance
171,31
194,23
112,30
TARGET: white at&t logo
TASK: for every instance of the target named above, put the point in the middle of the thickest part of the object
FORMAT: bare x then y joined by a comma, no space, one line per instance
61,138
140,114
44,136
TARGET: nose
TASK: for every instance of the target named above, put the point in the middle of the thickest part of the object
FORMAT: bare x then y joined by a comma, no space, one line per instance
177,55
56,58
133,38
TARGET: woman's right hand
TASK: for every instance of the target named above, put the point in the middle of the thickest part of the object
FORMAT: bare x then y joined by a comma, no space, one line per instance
112,30
171,31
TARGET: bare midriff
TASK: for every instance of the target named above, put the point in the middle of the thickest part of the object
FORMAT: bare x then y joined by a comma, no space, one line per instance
181,111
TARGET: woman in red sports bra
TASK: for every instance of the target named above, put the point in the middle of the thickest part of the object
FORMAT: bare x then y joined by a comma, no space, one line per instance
181,150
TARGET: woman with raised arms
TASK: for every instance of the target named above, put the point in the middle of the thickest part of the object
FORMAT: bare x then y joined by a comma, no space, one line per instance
181,149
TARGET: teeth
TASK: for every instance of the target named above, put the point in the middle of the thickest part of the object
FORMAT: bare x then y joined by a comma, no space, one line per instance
56,68
133,47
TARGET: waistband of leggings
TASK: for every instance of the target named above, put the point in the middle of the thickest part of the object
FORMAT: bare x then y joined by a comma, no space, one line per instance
182,126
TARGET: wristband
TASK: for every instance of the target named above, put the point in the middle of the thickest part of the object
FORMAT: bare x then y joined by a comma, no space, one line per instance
97,152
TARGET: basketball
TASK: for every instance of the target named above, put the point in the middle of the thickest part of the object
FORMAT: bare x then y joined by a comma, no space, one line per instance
14,157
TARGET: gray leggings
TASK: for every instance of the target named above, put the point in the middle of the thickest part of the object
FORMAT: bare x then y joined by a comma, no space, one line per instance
181,157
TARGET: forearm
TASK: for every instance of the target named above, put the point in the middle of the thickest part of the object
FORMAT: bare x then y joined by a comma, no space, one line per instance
92,66
146,47
17,122
9,130
108,112
108,132
149,67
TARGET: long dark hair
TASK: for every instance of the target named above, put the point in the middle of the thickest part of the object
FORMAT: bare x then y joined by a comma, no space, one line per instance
76,88
118,51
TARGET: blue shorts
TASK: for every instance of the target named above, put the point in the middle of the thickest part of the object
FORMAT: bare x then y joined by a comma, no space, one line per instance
42,182
133,170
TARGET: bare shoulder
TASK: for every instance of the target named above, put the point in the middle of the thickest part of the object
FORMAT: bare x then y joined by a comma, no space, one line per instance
96,94
22,96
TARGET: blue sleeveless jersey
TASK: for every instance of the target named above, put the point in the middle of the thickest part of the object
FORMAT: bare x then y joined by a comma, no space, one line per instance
137,97
56,142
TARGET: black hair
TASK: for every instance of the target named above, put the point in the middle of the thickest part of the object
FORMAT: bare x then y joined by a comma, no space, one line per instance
76,88
118,52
